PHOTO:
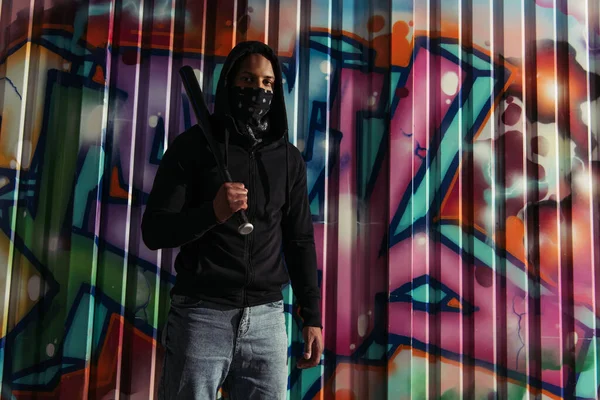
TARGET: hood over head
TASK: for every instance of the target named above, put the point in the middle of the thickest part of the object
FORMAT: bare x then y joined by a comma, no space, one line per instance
277,113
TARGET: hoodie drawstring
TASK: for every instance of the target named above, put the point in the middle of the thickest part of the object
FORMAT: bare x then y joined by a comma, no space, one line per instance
226,148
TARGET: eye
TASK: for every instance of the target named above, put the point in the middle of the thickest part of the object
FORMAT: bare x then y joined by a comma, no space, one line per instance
429,295
268,83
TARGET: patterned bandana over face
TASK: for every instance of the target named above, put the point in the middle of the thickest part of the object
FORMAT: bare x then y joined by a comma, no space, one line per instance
250,105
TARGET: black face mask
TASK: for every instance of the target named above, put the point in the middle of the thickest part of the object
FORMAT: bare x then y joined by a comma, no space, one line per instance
250,105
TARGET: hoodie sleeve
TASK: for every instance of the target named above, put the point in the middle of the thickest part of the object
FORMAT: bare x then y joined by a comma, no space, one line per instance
299,251
167,223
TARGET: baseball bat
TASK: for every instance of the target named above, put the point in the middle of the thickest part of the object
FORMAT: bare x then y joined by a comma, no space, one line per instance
194,93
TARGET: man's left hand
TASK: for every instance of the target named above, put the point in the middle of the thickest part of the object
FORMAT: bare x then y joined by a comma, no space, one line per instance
313,347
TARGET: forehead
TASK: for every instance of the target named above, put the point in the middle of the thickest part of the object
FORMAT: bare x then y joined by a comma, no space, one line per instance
256,64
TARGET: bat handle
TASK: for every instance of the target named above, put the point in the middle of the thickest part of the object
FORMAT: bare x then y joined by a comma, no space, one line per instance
245,227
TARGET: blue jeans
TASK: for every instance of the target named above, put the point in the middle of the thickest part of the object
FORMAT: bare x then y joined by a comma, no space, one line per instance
208,346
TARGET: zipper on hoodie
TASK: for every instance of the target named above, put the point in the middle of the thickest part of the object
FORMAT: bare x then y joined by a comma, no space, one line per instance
249,238
246,257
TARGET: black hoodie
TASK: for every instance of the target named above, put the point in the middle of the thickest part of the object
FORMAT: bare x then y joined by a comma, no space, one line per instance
216,263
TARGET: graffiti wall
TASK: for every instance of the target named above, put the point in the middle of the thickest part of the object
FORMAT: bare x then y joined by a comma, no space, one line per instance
453,169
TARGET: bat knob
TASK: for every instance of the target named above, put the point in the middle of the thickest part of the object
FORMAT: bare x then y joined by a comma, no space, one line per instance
245,228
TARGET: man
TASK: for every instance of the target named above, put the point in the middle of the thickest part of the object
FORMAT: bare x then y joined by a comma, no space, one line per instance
226,324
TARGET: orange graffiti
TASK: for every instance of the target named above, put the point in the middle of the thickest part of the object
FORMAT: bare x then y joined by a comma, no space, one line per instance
99,380
115,186
515,234
376,23
99,75
397,42
454,303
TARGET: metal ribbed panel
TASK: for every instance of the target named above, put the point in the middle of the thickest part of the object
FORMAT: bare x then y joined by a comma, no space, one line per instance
453,171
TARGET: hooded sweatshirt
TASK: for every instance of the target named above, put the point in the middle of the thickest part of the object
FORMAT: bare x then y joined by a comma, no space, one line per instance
215,262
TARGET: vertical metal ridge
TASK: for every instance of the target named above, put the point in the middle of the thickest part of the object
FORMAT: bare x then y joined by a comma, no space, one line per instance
530,67
267,23
433,180
293,83
234,19
464,186
559,162
568,340
413,251
328,212
173,92
467,195
499,199
415,11
143,49
12,260
592,25
272,30
6,297
203,52
387,214
110,44
296,63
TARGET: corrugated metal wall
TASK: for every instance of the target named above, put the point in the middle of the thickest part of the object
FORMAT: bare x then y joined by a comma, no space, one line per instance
453,175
